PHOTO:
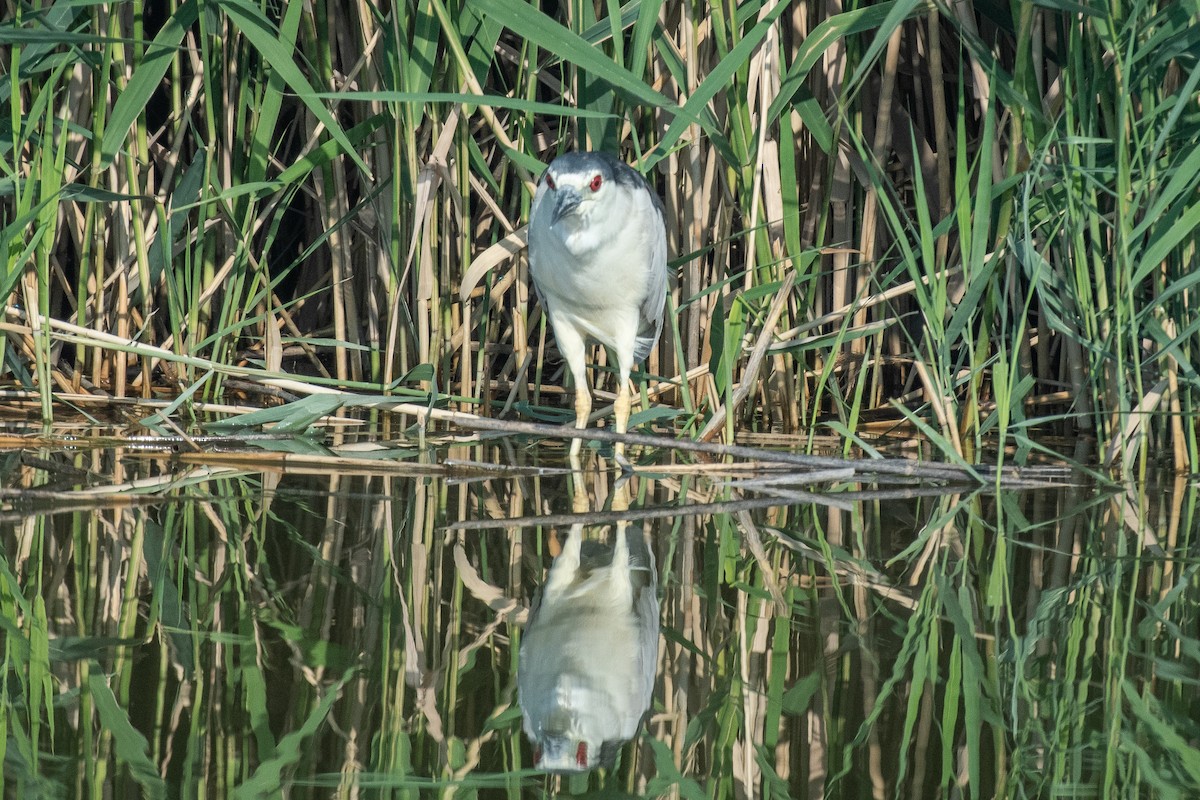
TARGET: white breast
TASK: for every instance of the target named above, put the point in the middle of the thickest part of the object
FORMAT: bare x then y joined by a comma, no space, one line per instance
596,276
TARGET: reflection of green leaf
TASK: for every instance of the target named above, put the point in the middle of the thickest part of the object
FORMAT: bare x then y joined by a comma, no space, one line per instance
171,613
267,780
506,719
80,648
669,777
318,652
41,687
132,747
1168,740
654,414
254,693
456,753
797,698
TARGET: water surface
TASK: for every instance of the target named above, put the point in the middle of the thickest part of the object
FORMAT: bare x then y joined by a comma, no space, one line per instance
244,625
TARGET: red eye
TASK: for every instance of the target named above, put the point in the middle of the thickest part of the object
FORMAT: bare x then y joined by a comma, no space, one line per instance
550,181
537,756
595,184
581,751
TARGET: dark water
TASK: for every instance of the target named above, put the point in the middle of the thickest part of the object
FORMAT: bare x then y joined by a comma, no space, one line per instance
316,629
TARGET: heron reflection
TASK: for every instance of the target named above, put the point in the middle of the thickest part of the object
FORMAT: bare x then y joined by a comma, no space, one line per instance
589,652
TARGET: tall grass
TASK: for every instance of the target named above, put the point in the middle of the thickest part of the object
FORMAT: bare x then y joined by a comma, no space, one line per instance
988,217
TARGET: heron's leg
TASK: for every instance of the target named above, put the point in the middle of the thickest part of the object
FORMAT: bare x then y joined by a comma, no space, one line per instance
583,409
571,345
621,412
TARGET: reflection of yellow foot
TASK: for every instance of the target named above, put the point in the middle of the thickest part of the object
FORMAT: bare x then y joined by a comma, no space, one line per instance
621,495
554,545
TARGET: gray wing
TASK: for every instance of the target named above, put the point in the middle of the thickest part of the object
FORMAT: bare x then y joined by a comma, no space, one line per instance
534,212
651,310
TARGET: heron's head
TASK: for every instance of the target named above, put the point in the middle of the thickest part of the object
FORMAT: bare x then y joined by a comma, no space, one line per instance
579,186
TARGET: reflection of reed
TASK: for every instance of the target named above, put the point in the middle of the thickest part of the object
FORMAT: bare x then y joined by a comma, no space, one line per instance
298,634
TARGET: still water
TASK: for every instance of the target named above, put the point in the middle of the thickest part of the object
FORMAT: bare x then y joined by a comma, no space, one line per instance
258,627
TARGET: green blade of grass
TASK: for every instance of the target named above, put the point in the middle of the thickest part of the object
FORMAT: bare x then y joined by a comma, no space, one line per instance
131,746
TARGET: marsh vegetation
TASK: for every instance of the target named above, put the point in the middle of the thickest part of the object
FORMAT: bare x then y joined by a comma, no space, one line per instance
964,234
978,221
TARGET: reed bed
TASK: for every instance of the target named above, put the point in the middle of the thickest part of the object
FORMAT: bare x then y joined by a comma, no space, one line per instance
976,221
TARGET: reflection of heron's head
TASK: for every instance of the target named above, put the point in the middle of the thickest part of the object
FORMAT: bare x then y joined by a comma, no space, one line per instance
562,754
565,744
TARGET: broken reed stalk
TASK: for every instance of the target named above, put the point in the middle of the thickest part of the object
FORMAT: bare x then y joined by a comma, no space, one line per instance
892,467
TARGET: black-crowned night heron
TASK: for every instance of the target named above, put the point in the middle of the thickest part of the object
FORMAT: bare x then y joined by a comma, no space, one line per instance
589,652
598,257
